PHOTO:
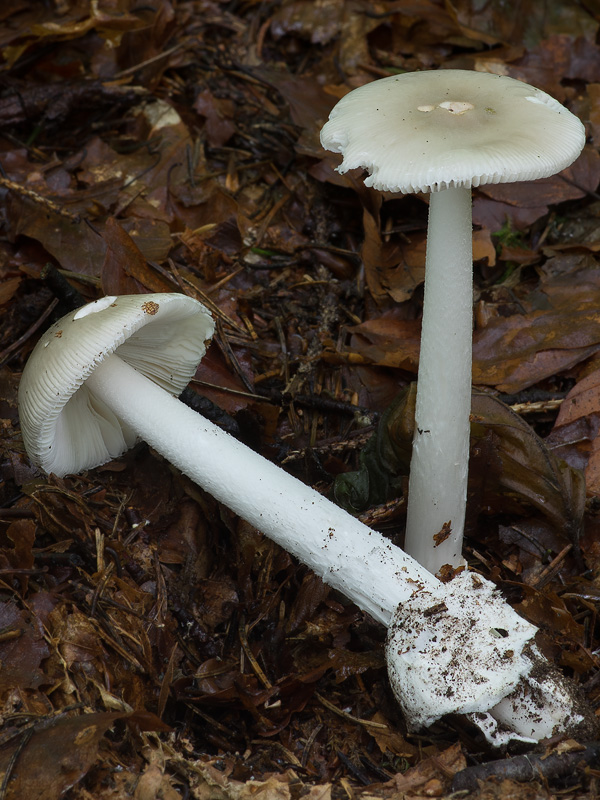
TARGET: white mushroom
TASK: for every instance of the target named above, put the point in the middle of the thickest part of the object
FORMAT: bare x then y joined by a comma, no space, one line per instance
444,132
105,375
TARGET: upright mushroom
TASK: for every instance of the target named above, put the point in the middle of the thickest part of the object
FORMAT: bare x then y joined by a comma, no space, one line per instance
444,132
106,374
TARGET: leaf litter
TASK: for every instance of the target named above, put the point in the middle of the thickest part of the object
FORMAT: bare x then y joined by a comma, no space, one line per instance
152,644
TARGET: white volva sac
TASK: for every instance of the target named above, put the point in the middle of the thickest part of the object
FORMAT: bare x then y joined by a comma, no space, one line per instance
105,375
444,132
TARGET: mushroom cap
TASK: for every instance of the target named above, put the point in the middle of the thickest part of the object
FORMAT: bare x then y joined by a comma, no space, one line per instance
428,131
67,429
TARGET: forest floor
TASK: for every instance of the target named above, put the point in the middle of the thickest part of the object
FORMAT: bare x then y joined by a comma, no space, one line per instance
152,644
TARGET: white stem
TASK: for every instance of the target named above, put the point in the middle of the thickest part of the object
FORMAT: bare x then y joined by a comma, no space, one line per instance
435,627
346,554
437,489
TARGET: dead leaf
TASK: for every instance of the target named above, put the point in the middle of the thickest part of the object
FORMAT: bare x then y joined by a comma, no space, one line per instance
22,649
388,341
209,783
153,783
390,740
522,203
8,288
483,247
218,114
430,778
593,91
57,754
527,468
371,254
512,353
125,269
578,422
531,25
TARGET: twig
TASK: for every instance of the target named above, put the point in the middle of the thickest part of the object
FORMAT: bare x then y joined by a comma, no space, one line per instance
351,718
527,768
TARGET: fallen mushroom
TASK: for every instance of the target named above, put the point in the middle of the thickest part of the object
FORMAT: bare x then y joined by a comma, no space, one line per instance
444,132
106,374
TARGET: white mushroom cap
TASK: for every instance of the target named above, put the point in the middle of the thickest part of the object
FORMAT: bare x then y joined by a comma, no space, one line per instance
428,131
67,429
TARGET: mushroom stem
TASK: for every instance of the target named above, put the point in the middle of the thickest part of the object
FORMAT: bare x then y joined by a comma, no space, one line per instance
439,467
344,552
432,626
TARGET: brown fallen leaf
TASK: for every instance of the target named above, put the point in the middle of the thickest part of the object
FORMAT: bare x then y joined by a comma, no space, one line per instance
8,287
593,93
509,353
125,269
22,649
396,268
390,740
209,783
388,341
371,254
218,114
525,202
483,247
577,424
565,51
55,755
431,777
524,467
551,615
512,353
153,783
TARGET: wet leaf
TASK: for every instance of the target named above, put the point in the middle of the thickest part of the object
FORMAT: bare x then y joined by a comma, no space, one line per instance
430,778
551,615
346,664
514,352
73,244
372,255
390,740
530,26
125,269
55,755
524,202
22,649
8,289
578,424
388,341
527,468
219,117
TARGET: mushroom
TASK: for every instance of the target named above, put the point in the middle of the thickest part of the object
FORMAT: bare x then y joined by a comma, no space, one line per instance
444,132
106,374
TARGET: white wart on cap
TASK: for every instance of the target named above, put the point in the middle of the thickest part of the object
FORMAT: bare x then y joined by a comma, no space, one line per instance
65,427
428,131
